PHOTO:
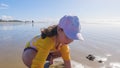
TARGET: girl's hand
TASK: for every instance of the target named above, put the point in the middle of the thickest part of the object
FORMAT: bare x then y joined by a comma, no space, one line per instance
56,54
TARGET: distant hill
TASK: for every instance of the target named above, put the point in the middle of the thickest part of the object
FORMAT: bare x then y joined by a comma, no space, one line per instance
10,20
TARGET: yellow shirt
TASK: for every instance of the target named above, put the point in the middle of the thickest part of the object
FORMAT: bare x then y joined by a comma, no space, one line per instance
44,46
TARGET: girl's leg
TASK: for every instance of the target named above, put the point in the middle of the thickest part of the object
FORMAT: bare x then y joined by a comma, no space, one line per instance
27,56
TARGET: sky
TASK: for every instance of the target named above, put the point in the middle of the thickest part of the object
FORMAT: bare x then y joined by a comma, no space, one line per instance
55,9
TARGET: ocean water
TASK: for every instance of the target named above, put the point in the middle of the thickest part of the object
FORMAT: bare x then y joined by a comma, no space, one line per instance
101,40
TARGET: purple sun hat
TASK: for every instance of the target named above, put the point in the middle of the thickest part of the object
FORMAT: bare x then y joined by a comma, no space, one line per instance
71,27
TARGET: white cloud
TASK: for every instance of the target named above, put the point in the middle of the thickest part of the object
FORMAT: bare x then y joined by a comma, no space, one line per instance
3,6
5,17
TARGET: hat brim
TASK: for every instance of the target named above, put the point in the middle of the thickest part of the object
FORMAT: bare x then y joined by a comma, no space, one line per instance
74,36
79,36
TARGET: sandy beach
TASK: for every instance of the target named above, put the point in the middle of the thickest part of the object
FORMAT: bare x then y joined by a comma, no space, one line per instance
101,40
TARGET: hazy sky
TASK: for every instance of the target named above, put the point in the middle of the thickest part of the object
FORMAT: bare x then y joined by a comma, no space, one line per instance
52,9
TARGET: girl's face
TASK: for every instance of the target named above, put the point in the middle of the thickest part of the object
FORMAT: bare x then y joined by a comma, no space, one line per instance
62,38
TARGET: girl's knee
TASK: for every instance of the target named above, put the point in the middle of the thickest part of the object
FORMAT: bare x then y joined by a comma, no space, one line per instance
28,56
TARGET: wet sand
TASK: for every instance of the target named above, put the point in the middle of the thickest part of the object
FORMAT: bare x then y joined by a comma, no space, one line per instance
101,42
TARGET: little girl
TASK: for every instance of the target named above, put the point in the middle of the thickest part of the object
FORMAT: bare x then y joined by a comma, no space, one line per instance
52,43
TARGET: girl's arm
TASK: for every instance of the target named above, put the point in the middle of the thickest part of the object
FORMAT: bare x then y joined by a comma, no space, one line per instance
67,64
65,53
